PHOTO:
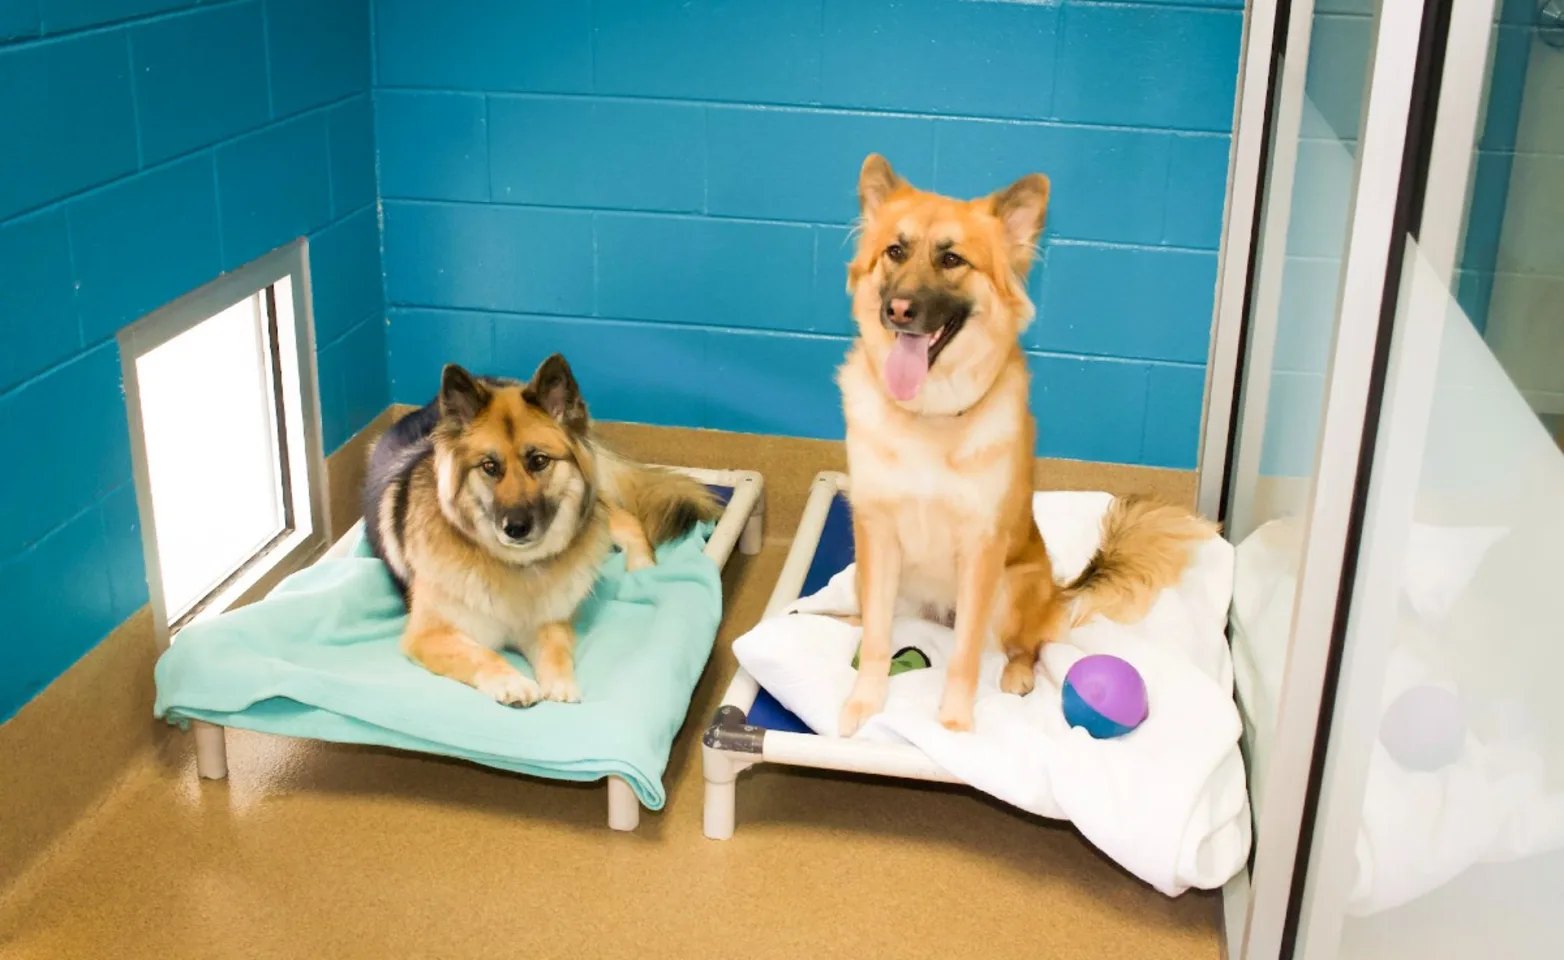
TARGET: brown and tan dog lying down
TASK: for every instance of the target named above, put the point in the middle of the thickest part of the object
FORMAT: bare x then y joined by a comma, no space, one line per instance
494,508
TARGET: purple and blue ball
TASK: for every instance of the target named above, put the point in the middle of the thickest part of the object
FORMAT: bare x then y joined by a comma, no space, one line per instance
1425,728
1104,696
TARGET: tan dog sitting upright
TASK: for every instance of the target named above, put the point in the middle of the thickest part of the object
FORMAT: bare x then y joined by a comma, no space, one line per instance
940,446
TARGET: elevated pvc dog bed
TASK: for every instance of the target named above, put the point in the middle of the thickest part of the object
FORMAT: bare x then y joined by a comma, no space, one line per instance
1168,800
319,659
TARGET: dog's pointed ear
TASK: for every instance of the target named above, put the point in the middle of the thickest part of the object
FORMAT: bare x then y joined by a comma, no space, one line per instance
554,388
876,181
462,396
1022,207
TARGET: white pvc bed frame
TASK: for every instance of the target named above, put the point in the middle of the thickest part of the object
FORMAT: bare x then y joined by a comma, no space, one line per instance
741,525
731,745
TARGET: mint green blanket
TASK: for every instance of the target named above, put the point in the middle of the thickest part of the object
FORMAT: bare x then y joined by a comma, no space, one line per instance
318,659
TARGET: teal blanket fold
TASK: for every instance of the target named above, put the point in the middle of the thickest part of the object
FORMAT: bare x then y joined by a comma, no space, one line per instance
319,659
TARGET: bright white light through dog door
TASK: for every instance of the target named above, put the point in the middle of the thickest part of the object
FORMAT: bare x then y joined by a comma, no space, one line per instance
209,411
223,434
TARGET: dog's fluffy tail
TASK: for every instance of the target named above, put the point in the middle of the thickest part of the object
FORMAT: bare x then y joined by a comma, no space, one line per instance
666,503
1146,545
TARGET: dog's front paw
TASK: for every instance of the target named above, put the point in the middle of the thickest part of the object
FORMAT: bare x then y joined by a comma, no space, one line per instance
561,689
1019,678
864,702
855,713
955,714
512,689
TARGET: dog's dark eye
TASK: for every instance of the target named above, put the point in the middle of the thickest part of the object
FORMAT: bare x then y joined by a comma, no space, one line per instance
896,252
490,466
537,463
951,261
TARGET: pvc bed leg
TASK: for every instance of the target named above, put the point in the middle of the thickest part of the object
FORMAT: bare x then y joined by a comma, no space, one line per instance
624,810
754,535
722,771
211,750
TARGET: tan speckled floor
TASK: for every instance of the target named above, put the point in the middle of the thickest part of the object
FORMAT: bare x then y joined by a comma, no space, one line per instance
320,852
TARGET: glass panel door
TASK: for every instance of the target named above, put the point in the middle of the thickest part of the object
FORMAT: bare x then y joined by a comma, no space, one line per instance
1440,823
1293,322
1312,335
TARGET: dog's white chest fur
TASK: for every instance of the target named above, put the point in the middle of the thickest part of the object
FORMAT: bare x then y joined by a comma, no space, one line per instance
506,610
496,620
936,479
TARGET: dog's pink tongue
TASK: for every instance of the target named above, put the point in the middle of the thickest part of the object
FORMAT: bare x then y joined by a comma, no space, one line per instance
907,365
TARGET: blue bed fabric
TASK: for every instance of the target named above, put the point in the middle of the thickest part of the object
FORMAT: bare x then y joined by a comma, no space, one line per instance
319,659
832,555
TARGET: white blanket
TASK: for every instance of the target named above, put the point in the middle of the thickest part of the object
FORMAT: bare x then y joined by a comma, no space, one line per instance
1167,801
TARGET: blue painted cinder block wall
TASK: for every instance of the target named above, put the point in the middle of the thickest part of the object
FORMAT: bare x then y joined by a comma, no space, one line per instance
147,146
662,190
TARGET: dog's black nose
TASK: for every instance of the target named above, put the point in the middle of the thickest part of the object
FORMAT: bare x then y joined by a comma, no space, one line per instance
518,527
922,311
901,311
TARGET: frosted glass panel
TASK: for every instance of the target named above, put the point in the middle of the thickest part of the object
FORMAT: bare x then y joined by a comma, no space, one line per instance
1441,824
1454,696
